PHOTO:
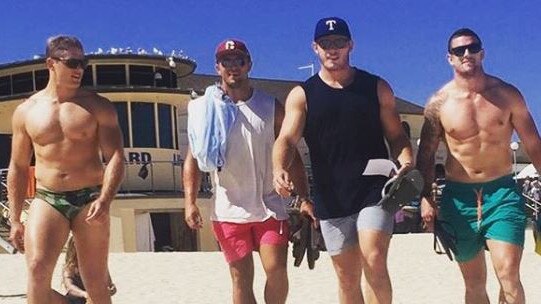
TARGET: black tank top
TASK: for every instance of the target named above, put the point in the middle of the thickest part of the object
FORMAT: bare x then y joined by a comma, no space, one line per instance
343,131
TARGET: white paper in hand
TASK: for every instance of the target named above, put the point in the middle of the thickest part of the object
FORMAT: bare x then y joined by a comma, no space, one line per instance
381,166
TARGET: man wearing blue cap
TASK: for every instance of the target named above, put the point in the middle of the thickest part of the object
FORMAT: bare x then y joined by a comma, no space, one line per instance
345,115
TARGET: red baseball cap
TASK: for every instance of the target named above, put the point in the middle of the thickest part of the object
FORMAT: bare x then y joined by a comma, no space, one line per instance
231,46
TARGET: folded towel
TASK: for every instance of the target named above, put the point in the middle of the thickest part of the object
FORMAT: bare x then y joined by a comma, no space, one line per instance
210,118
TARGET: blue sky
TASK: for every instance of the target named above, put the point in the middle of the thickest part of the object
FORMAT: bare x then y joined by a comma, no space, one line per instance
402,41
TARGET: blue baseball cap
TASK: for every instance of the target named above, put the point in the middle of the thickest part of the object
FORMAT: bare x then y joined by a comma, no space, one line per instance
331,26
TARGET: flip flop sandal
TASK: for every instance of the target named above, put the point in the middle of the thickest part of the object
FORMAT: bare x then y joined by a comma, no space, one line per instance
400,190
444,242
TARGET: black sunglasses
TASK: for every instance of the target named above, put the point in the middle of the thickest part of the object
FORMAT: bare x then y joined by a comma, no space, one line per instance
472,48
73,63
328,44
232,62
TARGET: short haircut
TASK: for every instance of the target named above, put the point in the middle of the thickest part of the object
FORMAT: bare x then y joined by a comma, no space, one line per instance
61,43
462,32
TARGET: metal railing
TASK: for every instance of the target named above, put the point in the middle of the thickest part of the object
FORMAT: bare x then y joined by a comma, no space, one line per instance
153,176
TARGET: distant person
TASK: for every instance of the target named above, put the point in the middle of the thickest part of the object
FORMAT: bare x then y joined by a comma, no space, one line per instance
535,189
526,186
345,115
476,114
247,214
70,130
72,281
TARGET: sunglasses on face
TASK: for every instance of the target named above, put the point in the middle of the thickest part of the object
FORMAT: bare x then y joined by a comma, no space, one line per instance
472,48
328,44
232,62
73,63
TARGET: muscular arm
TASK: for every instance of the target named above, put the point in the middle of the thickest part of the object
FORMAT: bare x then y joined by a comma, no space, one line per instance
112,147
393,130
431,133
21,154
283,152
285,170
523,123
191,178
298,172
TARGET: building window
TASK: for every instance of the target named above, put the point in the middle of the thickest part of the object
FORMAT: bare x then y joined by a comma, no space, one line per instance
88,79
111,74
166,126
168,79
5,85
175,127
141,75
42,78
23,83
143,125
122,113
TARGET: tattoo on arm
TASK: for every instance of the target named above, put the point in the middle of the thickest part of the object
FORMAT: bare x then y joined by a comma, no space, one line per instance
431,134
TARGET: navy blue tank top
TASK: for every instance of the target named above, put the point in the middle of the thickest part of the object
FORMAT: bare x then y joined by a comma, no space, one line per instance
343,131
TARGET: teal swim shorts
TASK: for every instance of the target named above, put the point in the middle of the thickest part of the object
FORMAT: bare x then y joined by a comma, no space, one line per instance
475,212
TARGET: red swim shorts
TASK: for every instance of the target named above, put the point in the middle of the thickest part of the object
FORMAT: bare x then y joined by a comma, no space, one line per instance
238,240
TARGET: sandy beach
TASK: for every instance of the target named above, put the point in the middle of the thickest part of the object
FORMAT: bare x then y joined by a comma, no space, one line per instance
418,276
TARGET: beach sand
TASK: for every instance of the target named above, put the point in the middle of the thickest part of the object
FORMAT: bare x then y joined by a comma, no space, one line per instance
418,276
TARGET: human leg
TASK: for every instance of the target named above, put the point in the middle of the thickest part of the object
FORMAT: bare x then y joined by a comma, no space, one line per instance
45,234
92,245
271,236
506,259
347,266
375,226
242,279
474,272
374,246
237,245
340,235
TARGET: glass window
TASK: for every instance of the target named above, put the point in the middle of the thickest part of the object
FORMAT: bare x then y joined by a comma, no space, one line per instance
173,79
143,125
87,80
166,126
166,80
122,112
42,78
5,85
176,127
23,83
141,75
111,74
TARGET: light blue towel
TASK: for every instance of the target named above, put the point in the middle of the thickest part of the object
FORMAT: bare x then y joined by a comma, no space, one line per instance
209,120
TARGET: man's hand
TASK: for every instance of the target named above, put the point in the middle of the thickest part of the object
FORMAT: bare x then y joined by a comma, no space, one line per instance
16,236
307,209
428,213
193,216
404,168
98,212
282,183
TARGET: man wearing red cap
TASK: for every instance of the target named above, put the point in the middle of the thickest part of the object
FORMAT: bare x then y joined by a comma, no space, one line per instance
248,215
345,115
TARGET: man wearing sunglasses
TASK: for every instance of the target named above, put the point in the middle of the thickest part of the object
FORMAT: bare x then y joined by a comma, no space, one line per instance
475,114
247,214
345,115
69,130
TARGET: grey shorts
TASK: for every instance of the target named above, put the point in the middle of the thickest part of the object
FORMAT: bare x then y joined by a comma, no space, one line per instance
342,232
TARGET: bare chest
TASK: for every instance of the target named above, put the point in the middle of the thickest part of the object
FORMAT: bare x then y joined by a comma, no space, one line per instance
469,116
52,123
